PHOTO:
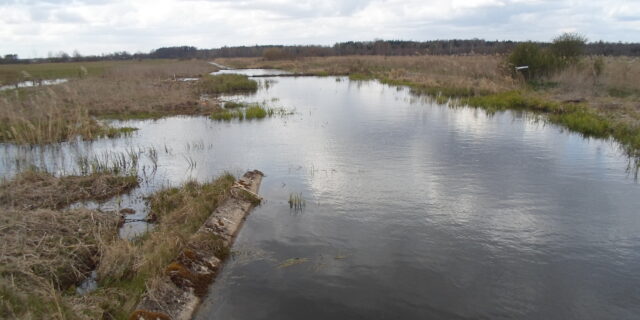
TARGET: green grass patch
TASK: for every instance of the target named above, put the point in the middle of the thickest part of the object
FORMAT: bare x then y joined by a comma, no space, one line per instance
622,92
226,83
249,112
234,105
227,115
360,77
255,112
513,100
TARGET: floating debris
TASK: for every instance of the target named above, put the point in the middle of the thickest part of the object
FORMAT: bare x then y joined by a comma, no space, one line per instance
292,262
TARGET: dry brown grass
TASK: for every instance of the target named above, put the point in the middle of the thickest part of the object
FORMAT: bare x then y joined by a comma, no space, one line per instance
62,112
615,93
129,268
485,73
32,189
45,253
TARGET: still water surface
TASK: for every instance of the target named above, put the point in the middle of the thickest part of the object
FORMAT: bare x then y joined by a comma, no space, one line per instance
413,210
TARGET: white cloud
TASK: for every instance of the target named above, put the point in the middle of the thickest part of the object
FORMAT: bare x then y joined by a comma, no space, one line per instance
36,27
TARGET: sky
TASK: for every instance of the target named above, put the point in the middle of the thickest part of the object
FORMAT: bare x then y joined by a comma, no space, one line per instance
38,28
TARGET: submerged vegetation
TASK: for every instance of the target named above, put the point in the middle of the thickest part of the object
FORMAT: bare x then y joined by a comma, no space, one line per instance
34,189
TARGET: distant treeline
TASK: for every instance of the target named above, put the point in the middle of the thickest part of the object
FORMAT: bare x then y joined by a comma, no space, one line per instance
379,47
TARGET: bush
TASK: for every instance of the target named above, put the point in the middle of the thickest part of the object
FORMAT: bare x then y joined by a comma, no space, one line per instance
540,61
568,47
565,50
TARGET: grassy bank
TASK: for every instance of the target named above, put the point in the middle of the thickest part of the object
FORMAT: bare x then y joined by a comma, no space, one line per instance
598,97
66,245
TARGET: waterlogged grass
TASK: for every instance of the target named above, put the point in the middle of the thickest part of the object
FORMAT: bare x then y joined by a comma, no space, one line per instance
255,112
226,83
249,112
57,127
34,189
227,115
234,105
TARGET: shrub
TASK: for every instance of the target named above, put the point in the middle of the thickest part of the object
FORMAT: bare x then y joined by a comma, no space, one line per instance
568,47
565,50
541,62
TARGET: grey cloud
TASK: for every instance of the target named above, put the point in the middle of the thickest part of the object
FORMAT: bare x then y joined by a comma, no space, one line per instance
96,26
300,9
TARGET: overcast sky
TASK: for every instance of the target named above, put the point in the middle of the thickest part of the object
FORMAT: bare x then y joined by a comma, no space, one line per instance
35,28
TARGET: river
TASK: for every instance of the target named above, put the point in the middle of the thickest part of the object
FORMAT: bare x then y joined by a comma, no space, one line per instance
412,210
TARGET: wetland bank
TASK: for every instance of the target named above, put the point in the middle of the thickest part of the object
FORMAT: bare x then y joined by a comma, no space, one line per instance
413,207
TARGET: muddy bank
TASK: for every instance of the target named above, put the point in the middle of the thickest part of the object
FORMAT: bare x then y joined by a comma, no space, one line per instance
187,278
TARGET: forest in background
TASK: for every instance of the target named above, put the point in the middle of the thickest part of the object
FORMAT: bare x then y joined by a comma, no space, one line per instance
378,47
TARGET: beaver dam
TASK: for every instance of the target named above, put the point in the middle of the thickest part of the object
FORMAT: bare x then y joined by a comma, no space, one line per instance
376,203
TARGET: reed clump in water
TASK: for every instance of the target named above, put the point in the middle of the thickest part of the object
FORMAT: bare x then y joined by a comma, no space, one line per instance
227,115
226,83
249,112
296,201
255,112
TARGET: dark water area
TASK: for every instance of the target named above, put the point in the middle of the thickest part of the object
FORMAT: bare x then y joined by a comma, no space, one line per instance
412,210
